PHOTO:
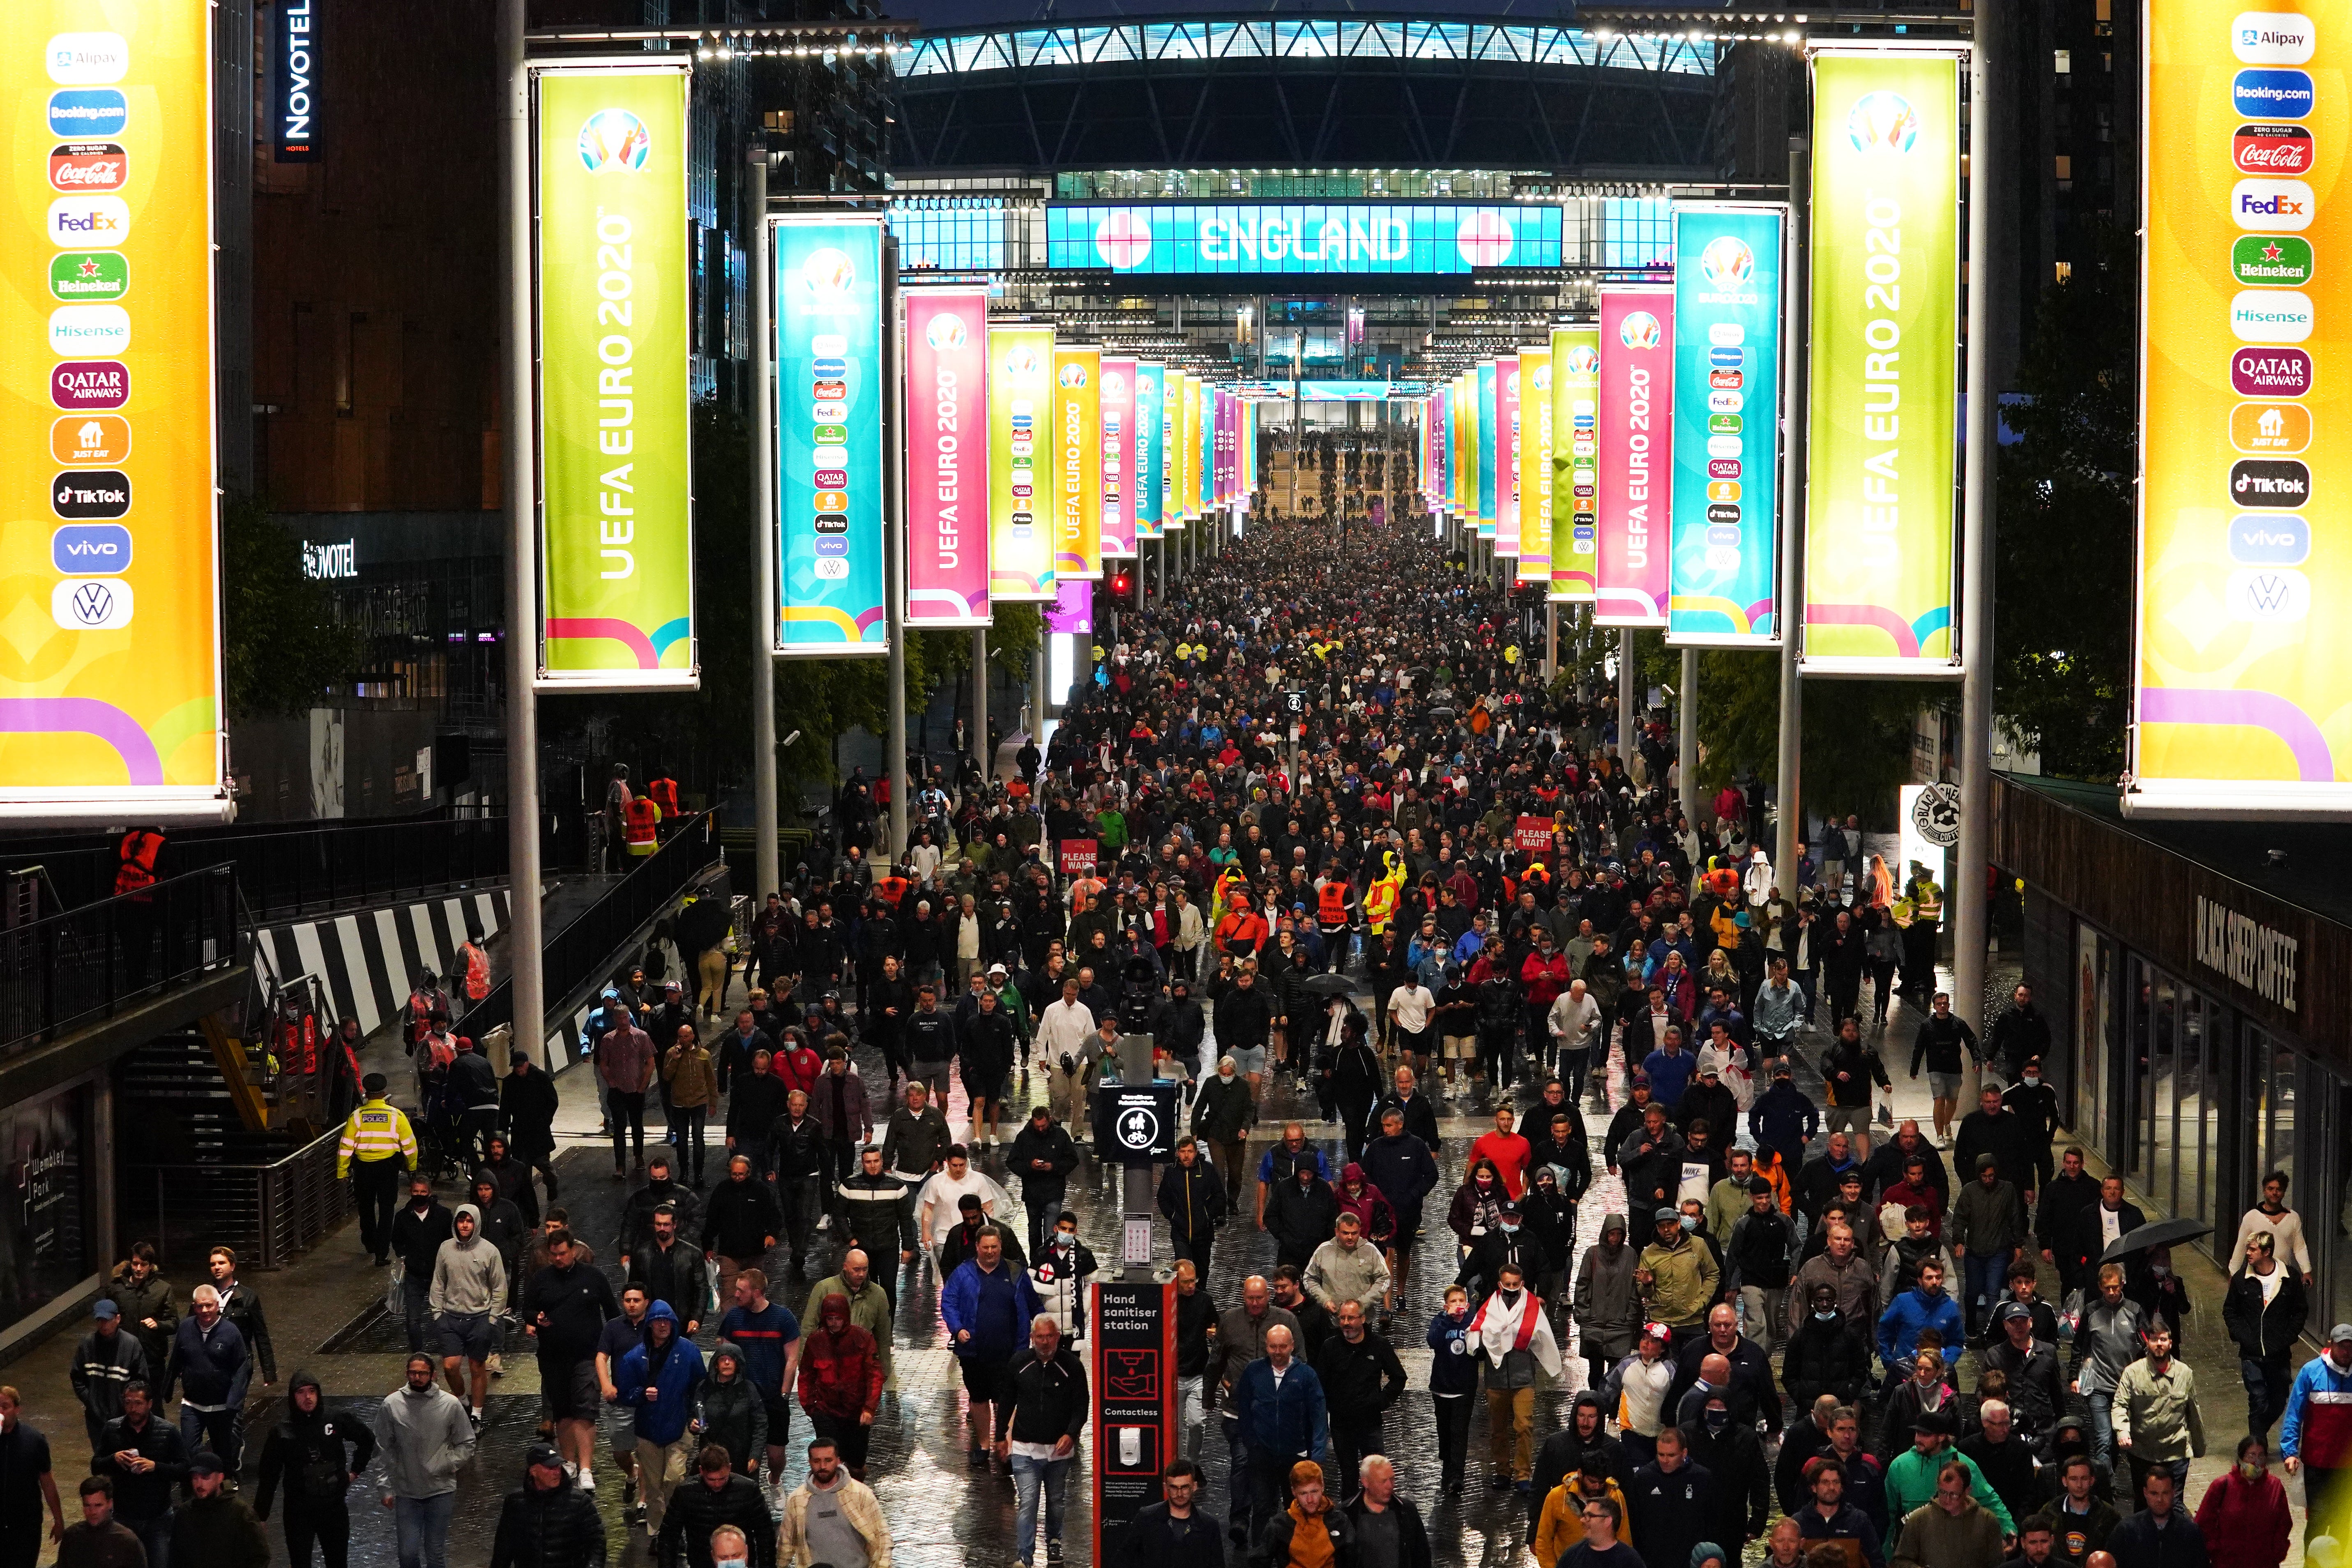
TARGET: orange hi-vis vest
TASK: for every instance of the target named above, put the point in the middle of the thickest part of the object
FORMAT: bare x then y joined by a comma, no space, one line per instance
135,870
642,815
1331,903
665,795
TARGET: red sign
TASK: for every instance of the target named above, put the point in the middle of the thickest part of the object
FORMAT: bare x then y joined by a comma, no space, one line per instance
1079,856
1532,834
88,166
2272,150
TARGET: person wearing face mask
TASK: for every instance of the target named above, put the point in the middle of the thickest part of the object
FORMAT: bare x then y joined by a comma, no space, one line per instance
1301,1211
1514,1335
1223,1113
1060,1274
1827,1354
1726,1449
1508,1244
2244,1516
2032,1100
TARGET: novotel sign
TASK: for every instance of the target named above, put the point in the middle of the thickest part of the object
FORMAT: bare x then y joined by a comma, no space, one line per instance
294,113
1342,238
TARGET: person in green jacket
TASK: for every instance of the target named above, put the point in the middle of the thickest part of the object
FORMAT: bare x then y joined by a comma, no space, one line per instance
1911,1475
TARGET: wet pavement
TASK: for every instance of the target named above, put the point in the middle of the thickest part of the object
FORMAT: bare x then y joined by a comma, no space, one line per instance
943,1513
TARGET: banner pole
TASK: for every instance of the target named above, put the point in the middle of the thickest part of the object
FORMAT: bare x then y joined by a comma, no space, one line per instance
767,868
1792,825
525,941
1966,895
1686,734
894,544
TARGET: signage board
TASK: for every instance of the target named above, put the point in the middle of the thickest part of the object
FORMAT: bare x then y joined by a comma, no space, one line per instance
1319,239
947,457
1133,1383
294,81
1020,450
1575,452
1635,471
830,470
1138,1124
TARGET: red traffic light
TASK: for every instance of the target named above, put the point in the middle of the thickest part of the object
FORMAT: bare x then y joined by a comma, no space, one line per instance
1121,586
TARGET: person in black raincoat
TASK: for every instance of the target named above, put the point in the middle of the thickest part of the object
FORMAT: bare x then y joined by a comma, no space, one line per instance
315,1453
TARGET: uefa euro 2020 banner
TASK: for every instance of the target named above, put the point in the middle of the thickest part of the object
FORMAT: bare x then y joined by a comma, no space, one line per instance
1078,461
1636,463
947,457
1485,420
616,554
1118,447
1730,266
2242,657
829,459
1020,464
110,689
1575,451
1149,457
1882,438
1507,455
1535,466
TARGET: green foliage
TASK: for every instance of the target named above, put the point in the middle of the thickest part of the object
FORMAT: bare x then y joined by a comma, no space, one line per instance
283,650
2062,595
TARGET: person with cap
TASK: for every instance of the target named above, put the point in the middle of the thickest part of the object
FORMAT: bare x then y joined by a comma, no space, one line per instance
316,1453
105,1361
1677,1277
548,1522
423,1439
1987,1232
216,1528
2037,1388
378,1146
1912,1475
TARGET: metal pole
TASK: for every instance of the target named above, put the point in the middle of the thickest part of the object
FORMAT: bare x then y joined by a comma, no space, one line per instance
1791,825
982,752
526,942
894,552
1628,688
1965,897
767,873
1686,734
1551,641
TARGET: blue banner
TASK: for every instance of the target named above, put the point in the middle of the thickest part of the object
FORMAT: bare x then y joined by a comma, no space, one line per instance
1727,275
829,471
1324,239
1149,452
1488,431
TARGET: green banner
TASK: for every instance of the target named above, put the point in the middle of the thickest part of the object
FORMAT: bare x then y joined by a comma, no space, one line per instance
1575,456
1885,374
614,292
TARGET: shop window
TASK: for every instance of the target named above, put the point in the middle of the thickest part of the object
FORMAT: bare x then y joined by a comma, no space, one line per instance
2160,1150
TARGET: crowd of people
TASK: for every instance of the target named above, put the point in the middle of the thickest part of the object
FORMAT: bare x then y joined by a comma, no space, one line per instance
1324,770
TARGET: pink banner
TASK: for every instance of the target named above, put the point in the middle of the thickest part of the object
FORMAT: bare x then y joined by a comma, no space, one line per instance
1119,460
947,457
1073,608
1506,456
1636,453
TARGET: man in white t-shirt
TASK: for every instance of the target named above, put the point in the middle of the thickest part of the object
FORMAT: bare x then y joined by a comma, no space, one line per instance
1410,1006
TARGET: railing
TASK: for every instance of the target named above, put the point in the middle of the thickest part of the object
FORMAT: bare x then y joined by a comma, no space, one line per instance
592,942
65,971
270,1209
299,871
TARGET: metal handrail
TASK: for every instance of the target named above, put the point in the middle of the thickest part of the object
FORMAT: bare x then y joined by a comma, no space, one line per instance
66,970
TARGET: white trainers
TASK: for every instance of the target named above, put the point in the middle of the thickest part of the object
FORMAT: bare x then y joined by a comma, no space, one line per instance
824,1222
496,1370
587,1479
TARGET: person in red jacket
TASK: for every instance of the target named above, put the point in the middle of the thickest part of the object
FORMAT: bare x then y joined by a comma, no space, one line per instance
1509,1152
841,1382
2244,1516
1543,976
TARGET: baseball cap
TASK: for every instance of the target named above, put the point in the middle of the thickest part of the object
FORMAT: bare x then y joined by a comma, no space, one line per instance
207,1463
1668,1214
1657,1331
1935,1421
2012,1309
2339,1333
542,1453
105,1310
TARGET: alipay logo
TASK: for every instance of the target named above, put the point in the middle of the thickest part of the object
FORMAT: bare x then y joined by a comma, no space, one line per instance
613,141
85,59
2273,37
1882,121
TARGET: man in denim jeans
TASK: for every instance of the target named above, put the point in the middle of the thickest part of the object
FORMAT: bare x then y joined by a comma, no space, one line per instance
425,1438
1037,1433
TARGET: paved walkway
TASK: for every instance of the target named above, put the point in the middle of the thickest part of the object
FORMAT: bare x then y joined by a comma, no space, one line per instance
326,1318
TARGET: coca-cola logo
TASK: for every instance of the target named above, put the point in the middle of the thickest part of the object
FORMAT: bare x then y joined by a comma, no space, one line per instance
2272,150
2269,372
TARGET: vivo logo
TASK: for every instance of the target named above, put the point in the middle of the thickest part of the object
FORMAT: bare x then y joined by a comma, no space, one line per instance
90,549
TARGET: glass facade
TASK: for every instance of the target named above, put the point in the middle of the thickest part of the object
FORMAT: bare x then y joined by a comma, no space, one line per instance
1637,231
965,237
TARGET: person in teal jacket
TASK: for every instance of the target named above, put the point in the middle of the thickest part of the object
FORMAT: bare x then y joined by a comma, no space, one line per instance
1911,1475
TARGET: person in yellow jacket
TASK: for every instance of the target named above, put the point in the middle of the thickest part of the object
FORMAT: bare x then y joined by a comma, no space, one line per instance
379,1140
1380,899
1561,1524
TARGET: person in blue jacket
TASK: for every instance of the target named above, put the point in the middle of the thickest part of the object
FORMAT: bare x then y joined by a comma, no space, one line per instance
987,1305
660,1384
1924,1306
1453,1380
1278,1401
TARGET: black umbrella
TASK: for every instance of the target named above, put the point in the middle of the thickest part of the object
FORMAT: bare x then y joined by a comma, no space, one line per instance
1329,986
2157,1233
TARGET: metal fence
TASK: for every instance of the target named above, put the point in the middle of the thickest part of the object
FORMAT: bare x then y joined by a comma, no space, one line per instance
590,943
65,971
269,1210
300,871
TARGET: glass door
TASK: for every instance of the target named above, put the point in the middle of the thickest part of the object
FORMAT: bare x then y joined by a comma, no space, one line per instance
2093,1023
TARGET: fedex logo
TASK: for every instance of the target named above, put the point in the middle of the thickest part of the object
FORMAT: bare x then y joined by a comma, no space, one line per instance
79,221
2273,203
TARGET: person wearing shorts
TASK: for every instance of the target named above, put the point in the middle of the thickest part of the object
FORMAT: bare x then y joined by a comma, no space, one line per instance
469,1283
622,1335
565,1310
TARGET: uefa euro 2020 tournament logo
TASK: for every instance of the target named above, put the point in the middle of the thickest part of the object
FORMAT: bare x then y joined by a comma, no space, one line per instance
613,141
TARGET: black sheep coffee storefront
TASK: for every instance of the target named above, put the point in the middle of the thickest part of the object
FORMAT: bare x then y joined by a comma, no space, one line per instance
2198,979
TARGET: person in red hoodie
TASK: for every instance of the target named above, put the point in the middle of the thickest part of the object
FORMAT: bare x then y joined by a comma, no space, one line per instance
1509,1152
841,1381
2244,1516
1544,975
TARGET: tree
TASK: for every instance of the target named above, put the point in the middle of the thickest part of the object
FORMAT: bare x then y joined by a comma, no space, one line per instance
2063,593
282,648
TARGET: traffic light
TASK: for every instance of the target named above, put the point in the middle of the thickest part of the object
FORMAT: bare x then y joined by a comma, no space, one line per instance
1122,590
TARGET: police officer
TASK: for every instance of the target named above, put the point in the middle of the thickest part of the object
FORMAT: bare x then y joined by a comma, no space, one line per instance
379,1139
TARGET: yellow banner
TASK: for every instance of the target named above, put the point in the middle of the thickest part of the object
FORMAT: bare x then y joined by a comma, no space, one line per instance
110,663
2242,691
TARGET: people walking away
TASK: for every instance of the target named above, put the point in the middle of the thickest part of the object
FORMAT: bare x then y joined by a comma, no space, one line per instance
315,1453
378,1147
423,1439
548,1522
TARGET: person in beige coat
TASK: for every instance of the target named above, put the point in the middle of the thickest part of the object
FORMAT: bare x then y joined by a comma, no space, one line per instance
693,1086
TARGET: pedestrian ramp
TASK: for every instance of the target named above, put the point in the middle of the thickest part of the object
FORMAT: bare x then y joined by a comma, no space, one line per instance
368,961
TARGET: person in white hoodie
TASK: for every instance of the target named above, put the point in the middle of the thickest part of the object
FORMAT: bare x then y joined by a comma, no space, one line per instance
423,1439
469,1286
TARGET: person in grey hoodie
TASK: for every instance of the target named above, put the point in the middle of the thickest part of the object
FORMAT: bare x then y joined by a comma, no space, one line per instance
504,1228
423,1438
1607,1304
470,1284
